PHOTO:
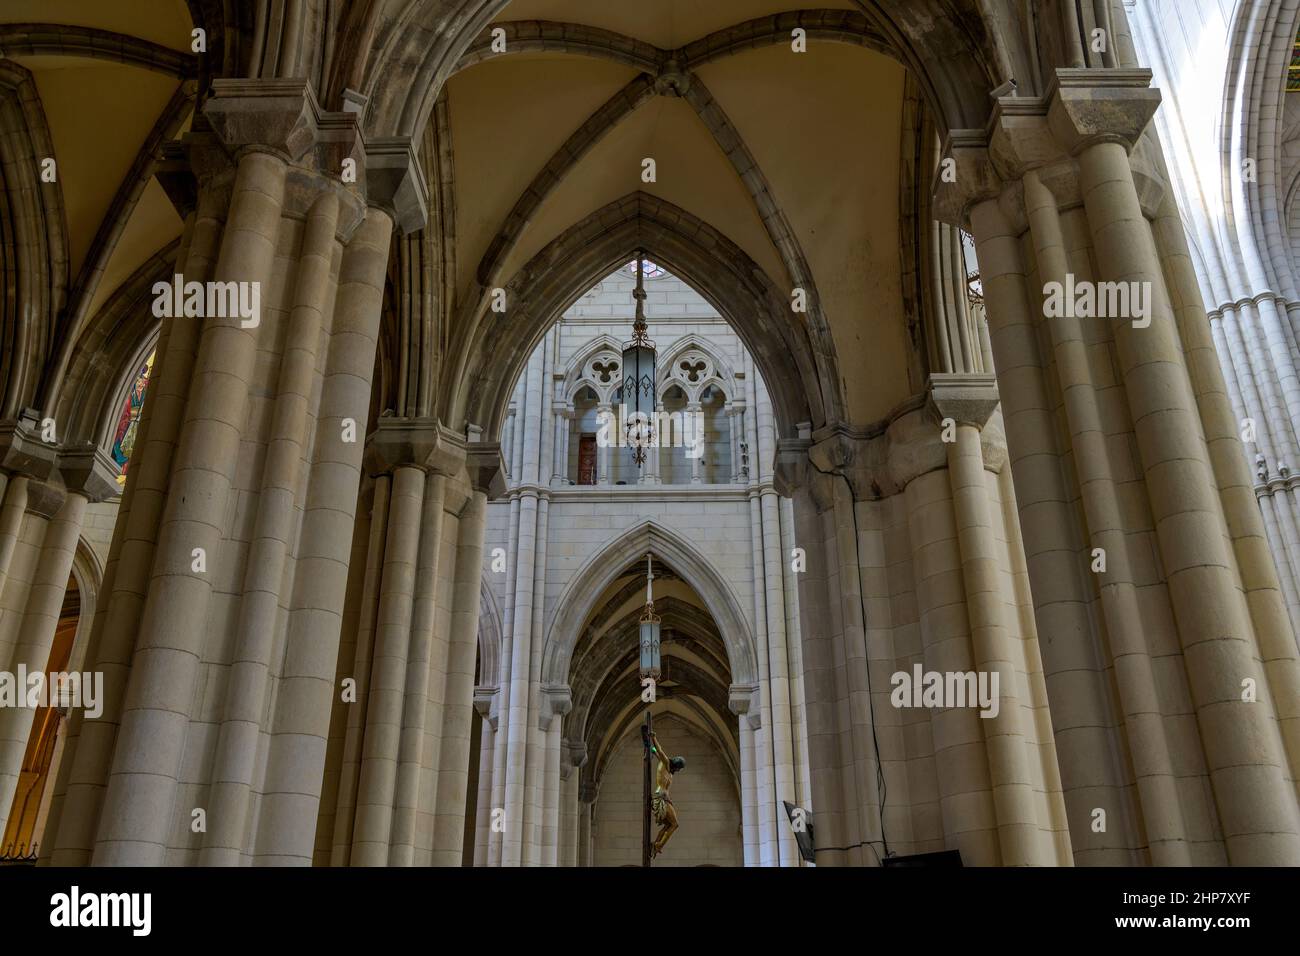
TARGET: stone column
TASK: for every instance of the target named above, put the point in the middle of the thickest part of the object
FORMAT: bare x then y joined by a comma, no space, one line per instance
775,649
1134,674
59,504
212,462
250,670
604,452
519,702
12,506
1208,599
967,402
748,793
586,797
483,809
412,772
571,808
794,651
1215,629
697,435
550,855
563,413
735,428
458,692
654,455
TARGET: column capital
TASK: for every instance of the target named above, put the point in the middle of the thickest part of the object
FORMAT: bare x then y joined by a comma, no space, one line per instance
484,699
487,469
742,698
792,467
427,444
45,498
1081,108
275,115
283,117
22,449
588,791
967,398
422,443
89,472
557,700
881,459
1090,106
573,755
395,182
965,178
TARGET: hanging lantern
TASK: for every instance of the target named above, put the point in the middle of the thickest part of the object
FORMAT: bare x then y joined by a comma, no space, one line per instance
650,663
639,377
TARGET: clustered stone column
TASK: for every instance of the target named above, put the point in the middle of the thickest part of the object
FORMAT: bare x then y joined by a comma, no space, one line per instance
911,547
966,403
401,761
219,620
773,755
45,490
1064,190
525,787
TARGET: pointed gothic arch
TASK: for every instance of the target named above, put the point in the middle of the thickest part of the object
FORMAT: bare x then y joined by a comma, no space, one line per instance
797,361
591,580
34,266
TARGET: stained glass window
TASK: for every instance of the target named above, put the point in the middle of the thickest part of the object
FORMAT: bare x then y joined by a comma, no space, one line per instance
129,422
652,271
1293,71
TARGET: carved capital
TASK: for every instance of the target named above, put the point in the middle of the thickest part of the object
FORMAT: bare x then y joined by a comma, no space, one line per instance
966,176
177,179
1089,106
22,451
792,467
966,398
89,472
742,698
279,115
395,182
557,700
417,442
484,700
45,498
486,467
573,754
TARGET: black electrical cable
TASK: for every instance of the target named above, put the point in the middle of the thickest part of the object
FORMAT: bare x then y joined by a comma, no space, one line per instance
882,788
853,846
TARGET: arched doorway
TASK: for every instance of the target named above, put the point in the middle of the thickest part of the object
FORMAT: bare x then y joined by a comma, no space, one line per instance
692,719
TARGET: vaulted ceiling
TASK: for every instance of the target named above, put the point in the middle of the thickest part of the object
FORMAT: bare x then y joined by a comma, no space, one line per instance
111,82
793,156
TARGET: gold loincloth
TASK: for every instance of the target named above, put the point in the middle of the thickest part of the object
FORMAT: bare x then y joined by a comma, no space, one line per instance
659,806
